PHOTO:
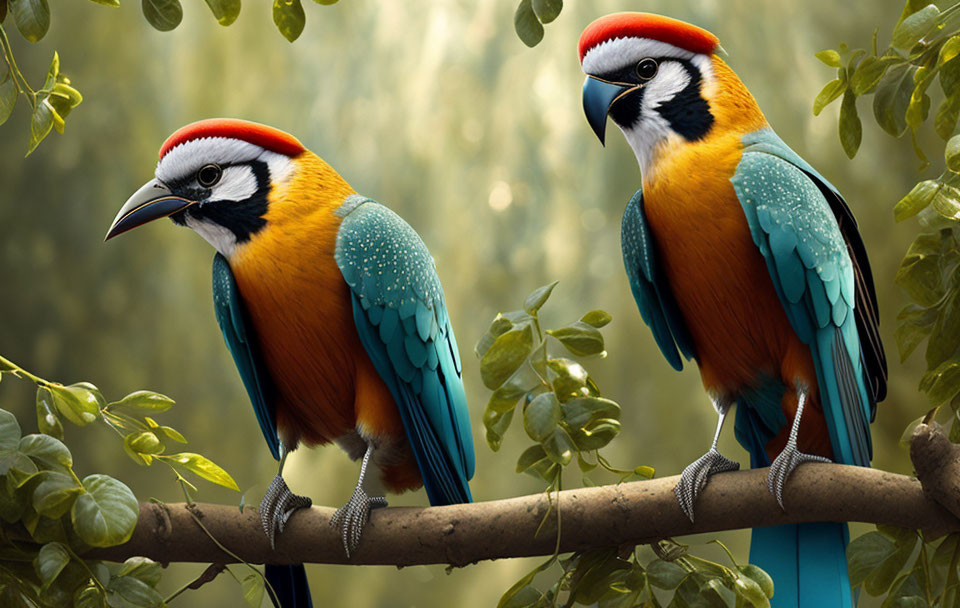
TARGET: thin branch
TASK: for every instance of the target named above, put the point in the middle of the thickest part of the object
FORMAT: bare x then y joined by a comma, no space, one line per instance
630,513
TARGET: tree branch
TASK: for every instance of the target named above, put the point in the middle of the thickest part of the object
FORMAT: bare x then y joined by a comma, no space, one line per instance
630,513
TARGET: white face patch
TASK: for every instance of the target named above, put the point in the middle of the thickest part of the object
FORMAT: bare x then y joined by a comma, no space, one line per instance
222,239
183,161
619,53
237,183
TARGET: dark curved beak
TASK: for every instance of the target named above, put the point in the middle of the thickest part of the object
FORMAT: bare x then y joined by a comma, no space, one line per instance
152,201
598,97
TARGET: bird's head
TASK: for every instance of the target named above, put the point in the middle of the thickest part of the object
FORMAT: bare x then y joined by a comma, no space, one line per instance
652,75
216,177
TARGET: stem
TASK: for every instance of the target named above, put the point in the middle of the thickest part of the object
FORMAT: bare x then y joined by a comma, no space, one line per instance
15,369
83,563
14,70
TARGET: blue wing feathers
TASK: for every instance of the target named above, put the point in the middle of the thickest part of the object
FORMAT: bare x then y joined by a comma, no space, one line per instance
650,289
402,322
812,272
232,318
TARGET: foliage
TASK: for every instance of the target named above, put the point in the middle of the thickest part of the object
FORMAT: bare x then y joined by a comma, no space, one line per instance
532,15
924,47
51,517
568,420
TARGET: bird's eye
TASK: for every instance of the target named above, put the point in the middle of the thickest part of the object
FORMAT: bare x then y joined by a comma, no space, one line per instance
647,68
209,175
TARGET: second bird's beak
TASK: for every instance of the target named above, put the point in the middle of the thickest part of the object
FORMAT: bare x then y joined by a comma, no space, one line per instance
152,201
598,97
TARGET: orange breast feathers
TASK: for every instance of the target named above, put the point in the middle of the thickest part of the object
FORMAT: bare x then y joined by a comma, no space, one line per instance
301,310
717,274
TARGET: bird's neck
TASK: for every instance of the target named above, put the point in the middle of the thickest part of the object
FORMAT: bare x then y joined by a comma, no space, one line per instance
735,113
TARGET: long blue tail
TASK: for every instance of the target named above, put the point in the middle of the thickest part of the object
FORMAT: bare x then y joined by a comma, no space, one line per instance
290,584
808,564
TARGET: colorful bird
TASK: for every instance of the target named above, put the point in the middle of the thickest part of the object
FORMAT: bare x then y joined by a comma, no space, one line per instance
742,257
332,309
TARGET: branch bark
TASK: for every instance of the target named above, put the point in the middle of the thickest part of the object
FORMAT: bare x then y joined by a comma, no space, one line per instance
630,513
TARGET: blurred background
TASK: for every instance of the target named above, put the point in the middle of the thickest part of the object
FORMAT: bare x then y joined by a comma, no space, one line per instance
439,111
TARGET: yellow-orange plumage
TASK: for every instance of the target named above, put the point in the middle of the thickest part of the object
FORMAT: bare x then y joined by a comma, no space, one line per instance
717,274
300,307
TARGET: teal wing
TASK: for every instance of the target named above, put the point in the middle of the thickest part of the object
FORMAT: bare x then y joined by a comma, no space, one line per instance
233,321
650,289
819,277
402,321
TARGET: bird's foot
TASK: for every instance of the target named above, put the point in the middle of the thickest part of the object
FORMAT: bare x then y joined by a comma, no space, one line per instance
694,478
784,464
353,516
278,504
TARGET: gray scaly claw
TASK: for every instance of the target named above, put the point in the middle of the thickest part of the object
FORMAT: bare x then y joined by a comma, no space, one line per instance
784,464
278,504
695,476
353,516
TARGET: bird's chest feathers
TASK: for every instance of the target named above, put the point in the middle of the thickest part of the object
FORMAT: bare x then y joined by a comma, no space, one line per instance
716,272
300,306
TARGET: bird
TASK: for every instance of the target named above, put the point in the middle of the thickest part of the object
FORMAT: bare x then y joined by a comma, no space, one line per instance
744,258
332,309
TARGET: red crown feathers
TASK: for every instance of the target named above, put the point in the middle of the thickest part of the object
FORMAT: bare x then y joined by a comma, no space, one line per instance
266,137
647,25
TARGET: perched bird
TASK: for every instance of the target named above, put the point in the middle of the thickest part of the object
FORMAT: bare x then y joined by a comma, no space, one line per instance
332,309
742,257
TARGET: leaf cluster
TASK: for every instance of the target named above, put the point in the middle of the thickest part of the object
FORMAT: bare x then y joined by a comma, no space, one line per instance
531,16
539,375
901,565
49,517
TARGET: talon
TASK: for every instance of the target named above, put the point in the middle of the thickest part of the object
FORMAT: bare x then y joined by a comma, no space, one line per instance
353,516
694,478
791,457
278,504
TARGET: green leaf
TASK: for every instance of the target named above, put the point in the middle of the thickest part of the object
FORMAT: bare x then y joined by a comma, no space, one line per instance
530,457
868,74
496,424
106,514
527,25
47,451
945,122
113,3
173,433
204,467
759,576
130,592
54,496
144,401
947,203
63,100
829,57
882,577
78,403
945,337
32,18
943,383
579,338
559,447
9,431
547,10
226,11
665,575
916,200
504,398
89,596
8,96
540,416
47,420
539,297
850,128
143,569
916,323
163,15
912,29
949,50
892,97
828,94
41,123
748,589
919,273
505,356
517,587
50,562
525,597
253,587
579,412
597,318
289,18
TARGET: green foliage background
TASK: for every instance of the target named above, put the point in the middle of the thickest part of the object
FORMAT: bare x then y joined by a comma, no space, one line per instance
438,110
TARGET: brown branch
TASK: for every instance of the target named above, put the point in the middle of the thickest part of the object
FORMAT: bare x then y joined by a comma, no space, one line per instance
630,513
